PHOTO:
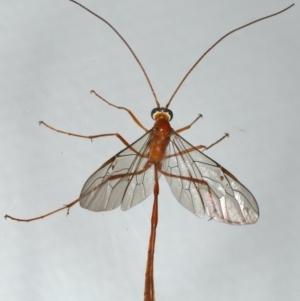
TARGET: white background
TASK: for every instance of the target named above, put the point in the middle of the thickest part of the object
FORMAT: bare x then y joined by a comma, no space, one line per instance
52,53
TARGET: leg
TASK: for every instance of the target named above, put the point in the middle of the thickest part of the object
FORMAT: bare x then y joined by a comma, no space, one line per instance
211,199
87,137
188,150
122,108
68,206
213,144
208,147
188,126
83,195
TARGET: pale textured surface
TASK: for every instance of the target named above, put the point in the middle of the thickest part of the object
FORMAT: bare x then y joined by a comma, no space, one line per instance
204,187
120,182
53,53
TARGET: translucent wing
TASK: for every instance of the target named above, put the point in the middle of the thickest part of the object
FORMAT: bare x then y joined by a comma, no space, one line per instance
123,180
204,187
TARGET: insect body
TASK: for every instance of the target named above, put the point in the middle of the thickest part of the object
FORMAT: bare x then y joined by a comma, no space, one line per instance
199,183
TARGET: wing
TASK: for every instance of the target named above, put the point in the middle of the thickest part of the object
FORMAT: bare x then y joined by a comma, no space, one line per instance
123,180
204,187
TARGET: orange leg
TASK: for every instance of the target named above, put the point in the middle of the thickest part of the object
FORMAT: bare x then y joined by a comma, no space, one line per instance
201,182
149,294
68,206
198,147
213,144
122,108
91,137
188,126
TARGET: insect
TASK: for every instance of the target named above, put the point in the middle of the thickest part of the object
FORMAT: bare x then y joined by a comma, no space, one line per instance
199,183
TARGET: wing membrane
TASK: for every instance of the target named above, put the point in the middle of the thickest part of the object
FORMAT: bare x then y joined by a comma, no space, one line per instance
204,187
123,180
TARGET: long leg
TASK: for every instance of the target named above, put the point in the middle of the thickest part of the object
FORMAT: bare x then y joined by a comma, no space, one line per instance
122,108
149,294
91,137
213,144
198,147
188,126
213,208
86,193
198,181
68,206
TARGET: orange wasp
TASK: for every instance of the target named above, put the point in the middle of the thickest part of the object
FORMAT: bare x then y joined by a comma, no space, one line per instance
198,183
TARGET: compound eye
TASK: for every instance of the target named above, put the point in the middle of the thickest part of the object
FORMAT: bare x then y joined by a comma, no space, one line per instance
170,113
154,111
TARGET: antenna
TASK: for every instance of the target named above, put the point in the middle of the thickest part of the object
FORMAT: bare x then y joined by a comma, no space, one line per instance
215,44
125,42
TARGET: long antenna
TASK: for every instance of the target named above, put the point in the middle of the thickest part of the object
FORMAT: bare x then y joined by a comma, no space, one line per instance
125,42
215,44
